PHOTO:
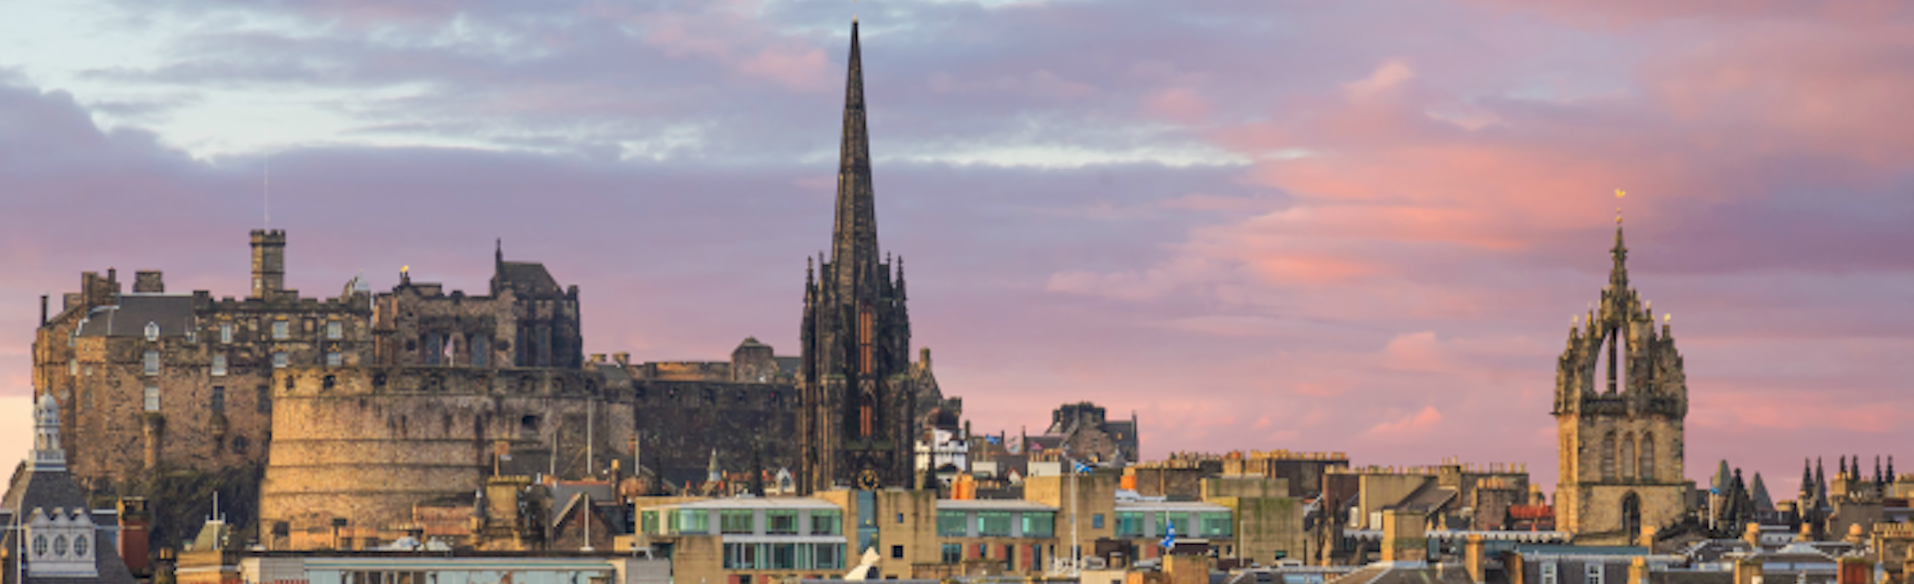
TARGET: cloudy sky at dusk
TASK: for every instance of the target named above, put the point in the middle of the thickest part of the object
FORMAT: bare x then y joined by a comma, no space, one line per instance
1352,225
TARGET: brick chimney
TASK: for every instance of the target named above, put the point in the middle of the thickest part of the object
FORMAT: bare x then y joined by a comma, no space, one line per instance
134,521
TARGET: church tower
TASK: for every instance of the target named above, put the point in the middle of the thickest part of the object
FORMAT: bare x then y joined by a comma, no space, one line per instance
1620,398
857,410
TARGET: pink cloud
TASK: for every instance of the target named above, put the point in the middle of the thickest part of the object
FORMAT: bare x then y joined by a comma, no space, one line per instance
1179,104
1408,426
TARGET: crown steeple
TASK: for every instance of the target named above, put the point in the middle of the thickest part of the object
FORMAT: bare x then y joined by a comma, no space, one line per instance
854,241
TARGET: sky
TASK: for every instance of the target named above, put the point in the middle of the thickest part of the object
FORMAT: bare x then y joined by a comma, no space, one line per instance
1352,225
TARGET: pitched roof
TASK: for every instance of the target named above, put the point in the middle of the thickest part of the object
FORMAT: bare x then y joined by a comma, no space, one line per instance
527,278
173,314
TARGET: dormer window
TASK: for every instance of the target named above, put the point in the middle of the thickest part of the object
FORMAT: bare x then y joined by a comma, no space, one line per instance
80,546
152,331
40,545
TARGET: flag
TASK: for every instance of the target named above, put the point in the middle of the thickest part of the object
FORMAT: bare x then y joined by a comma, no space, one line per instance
1082,468
1169,536
993,440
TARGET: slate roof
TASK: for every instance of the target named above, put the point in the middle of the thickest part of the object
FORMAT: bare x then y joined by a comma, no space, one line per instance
47,489
528,278
173,314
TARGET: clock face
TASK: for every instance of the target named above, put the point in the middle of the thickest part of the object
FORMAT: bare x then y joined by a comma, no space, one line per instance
868,480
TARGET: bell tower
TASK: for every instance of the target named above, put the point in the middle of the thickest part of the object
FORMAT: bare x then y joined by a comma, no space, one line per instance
1620,400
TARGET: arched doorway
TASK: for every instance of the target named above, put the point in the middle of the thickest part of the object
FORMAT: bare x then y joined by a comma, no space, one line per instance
1631,515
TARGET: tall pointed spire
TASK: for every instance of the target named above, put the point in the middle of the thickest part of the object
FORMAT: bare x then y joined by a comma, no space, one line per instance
1618,276
854,242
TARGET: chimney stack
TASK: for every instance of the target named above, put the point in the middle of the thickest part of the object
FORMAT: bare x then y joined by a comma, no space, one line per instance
148,282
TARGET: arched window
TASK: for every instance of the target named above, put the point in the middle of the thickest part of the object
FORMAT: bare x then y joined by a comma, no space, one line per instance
1627,457
1632,515
1647,471
865,337
1608,457
866,411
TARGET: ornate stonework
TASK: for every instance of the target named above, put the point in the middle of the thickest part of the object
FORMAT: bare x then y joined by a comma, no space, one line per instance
859,393
1620,398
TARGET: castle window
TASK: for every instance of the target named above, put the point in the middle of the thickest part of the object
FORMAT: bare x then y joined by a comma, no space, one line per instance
152,334
479,351
1647,471
1548,573
279,360
1594,573
434,348
333,359
1607,456
219,364
280,330
152,362
152,398
1627,457
335,330
226,332
218,401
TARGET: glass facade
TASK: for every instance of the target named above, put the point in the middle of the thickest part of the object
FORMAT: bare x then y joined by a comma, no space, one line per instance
1039,523
951,524
1129,524
783,556
692,521
781,521
993,523
735,520
1182,522
1216,524
953,553
827,522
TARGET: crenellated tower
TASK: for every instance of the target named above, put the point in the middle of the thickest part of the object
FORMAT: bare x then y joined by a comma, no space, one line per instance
1620,398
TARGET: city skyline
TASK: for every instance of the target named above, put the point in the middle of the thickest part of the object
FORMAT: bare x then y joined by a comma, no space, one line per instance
1371,245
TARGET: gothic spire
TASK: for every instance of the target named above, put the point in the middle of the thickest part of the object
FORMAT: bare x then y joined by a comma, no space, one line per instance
854,241
1618,276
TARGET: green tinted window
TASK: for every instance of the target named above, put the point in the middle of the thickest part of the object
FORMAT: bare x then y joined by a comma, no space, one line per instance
950,524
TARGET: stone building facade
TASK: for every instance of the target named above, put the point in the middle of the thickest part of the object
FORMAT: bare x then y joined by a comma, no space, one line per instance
526,321
157,379
367,445
860,396
166,381
1620,399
